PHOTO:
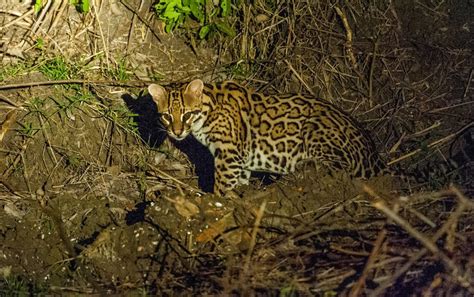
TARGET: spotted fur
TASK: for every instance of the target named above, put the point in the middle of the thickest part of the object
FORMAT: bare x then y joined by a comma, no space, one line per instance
248,131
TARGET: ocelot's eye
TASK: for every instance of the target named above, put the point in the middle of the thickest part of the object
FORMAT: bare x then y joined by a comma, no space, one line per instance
166,117
187,116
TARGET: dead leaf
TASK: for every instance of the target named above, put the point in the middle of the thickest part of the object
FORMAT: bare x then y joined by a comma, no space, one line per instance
216,228
5,126
11,209
184,207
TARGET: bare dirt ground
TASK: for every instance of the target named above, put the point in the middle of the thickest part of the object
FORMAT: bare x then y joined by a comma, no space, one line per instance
95,199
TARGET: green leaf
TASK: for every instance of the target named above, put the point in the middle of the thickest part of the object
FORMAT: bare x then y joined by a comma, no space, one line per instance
196,10
170,12
39,43
85,6
38,5
225,28
225,6
169,27
160,5
204,31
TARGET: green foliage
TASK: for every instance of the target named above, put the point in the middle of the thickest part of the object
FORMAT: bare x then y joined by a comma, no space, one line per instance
27,129
72,102
17,286
123,117
12,70
288,291
38,4
211,15
39,43
57,69
119,72
240,69
74,161
155,75
172,12
142,182
226,7
83,6
36,104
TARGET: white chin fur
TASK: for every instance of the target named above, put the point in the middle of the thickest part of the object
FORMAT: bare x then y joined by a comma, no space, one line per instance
181,137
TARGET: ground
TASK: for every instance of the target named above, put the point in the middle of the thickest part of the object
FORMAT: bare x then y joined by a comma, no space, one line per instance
96,199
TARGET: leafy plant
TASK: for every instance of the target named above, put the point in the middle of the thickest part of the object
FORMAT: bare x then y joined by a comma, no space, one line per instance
83,6
74,160
57,69
27,129
119,72
39,43
12,70
36,104
38,4
211,15
68,103
123,117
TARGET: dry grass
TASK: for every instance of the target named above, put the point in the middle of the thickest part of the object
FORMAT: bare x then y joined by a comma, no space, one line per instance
107,196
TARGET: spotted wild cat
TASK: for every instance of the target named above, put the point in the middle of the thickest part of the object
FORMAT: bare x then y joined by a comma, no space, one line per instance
248,131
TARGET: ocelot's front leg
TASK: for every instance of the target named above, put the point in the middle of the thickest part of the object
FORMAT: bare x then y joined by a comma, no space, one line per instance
229,172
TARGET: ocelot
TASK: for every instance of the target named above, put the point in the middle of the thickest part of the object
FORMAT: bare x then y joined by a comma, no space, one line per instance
247,131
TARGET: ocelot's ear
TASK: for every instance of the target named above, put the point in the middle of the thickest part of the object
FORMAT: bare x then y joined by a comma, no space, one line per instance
159,95
193,93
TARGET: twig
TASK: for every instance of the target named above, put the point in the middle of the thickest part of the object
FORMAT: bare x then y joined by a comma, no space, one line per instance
359,286
428,243
435,125
453,218
110,144
72,289
436,110
167,176
10,188
466,90
46,137
299,77
58,15
380,205
131,28
253,240
141,19
16,20
433,144
371,72
136,83
6,100
41,17
332,246
102,142
244,40
258,219
348,29
102,37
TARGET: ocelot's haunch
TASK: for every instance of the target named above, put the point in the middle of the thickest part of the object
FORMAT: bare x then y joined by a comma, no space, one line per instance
248,131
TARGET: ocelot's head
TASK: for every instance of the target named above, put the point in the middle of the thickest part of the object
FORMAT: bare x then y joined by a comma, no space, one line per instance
179,109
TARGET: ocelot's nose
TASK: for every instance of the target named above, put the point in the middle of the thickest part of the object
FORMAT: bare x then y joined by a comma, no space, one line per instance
178,130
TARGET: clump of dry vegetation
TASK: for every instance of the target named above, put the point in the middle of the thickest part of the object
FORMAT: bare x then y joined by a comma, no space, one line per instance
95,199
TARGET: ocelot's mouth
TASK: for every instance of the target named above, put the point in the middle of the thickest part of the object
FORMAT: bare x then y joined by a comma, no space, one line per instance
180,137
